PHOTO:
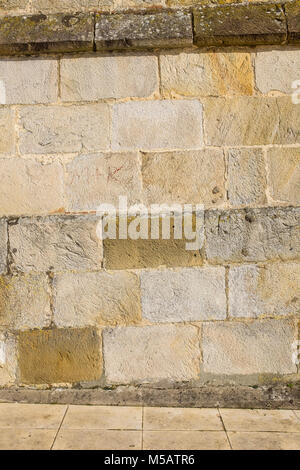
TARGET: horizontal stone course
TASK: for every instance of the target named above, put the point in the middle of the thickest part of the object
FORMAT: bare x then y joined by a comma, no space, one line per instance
252,234
57,129
55,244
3,246
256,291
192,294
25,301
245,349
151,354
59,355
91,299
22,180
166,124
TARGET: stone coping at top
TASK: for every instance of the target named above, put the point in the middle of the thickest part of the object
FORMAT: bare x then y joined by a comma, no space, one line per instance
202,26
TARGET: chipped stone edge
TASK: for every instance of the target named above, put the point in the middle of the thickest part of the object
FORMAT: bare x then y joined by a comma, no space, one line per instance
279,396
80,44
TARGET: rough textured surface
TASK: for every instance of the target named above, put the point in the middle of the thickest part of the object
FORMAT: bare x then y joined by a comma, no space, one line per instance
46,33
3,246
252,234
93,78
151,353
251,121
184,295
211,73
55,244
29,81
165,175
7,132
59,129
246,177
284,174
258,347
269,290
276,70
8,359
167,124
105,298
25,301
95,179
22,180
69,5
59,355
239,25
149,30
292,12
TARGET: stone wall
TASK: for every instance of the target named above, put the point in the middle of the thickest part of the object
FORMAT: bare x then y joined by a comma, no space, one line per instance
220,127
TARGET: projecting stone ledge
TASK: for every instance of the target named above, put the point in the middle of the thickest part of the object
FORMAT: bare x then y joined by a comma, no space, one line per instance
216,25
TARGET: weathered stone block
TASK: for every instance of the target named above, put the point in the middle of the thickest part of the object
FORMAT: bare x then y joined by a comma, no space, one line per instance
211,73
166,124
165,177
29,81
151,353
239,25
251,121
284,174
276,70
94,78
258,347
153,252
55,244
30,34
7,130
59,356
13,4
22,180
147,30
3,246
292,11
95,179
25,301
106,298
8,360
269,290
59,129
252,234
185,295
69,5
246,176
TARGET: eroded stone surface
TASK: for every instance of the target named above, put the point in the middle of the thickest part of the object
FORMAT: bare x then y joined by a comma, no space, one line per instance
24,180
55,244
3,246
106,298
59,355
276,70
292,11
149,30
258,347
8,359
25,301
270,290
7,130
252,234
151,353
165,177
59,129
246,176
284,174
185,295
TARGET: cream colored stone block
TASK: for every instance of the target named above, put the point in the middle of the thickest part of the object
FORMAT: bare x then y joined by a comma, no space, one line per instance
260,420
204,74
151,353
74,439
103,417
7,131
182,419
196,177
30,187
284,174
27,81
97,179
276,70
270,290
31,416
104,298
185,440
3,246
8,361
94,78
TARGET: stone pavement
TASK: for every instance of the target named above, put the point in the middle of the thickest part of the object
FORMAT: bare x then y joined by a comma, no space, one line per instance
25,426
